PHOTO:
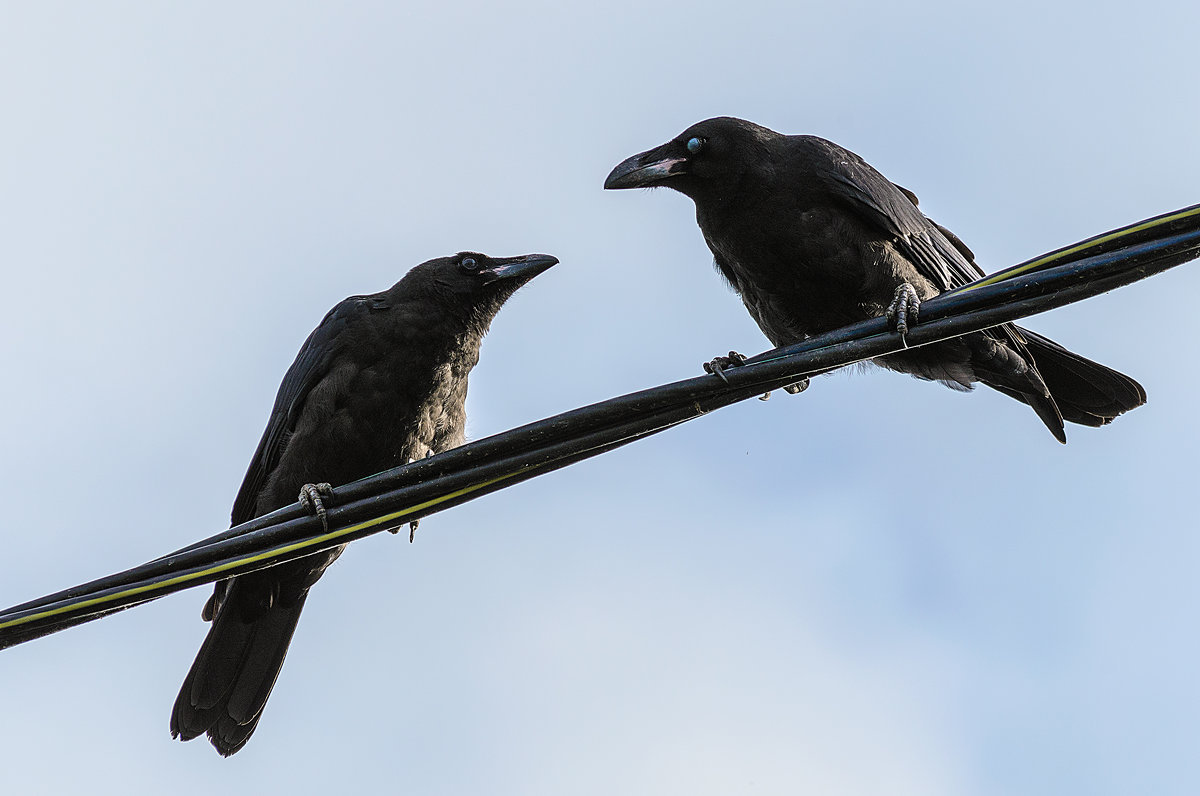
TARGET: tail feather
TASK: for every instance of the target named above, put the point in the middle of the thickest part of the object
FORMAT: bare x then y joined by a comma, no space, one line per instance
1079,390
1058,384
1044,405
1003,363
233,674
1087,392
264,658
1048,410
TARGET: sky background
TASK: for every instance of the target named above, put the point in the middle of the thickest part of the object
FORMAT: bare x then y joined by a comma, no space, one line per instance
763,601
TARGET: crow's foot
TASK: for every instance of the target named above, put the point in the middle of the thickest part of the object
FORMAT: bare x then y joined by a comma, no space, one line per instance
311,496
791,389
717,365
903,310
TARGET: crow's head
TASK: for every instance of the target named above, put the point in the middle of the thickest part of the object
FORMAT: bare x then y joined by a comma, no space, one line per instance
474,285
708,157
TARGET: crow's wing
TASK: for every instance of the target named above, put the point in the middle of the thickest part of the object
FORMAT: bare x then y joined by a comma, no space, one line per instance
936,252
311,365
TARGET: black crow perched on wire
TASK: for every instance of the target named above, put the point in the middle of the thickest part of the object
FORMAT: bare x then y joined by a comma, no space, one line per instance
382,381
813,238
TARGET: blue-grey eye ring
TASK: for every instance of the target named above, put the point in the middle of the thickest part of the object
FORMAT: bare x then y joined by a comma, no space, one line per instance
694,145
468,263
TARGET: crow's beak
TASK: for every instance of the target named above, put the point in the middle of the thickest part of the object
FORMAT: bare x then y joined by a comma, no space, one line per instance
645,170
522,268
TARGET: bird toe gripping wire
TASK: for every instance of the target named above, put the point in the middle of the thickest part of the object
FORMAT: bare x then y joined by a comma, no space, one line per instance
903,310
312,497
790,389
717,365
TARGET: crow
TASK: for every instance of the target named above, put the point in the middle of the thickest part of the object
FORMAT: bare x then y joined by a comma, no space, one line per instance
813,238
381,382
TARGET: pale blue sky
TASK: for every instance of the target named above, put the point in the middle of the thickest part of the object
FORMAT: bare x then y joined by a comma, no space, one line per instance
758,602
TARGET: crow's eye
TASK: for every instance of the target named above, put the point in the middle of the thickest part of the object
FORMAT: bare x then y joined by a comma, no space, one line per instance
694,145
468,264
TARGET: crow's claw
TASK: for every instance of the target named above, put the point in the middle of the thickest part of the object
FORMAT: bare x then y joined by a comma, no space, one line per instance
903,310
311,496
717,365
412,530
791,389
